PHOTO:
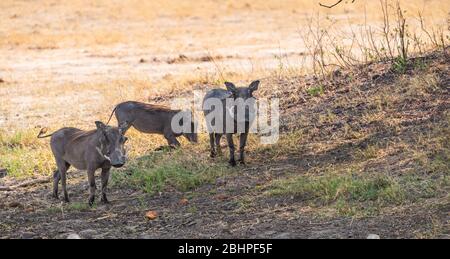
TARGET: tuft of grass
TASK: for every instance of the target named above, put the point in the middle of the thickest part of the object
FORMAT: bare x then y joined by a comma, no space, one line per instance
315,90
183,170
346,193
400,65
78,206
23,155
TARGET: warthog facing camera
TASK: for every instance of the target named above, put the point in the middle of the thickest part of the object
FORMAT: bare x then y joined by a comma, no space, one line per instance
87,150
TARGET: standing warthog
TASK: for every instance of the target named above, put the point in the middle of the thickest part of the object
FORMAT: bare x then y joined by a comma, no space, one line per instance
149,118
87,150
229,117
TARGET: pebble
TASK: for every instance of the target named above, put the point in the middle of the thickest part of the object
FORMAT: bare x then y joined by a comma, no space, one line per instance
373,236
284,235
88,233
27,235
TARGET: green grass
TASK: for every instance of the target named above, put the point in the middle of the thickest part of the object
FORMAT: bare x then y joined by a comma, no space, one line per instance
23,155
315,90
328,189
400,65
182,169
78,206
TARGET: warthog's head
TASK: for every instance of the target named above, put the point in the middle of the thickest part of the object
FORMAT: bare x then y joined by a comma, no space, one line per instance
112,143
190,131
244,99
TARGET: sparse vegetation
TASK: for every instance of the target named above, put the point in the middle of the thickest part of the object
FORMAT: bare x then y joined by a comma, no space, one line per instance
346,192
22,155
182,170
315,90
363,98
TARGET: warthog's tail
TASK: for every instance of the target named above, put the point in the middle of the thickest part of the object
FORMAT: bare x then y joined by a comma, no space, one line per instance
42,132
112,113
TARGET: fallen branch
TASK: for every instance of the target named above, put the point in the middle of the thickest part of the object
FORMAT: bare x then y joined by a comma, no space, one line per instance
333,5
24,184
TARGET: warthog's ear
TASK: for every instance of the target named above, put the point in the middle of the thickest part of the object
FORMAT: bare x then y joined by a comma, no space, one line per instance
254,86
100,125
230,87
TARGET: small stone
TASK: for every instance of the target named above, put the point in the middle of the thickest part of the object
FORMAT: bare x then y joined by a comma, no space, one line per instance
27,235
73,236
283,236
147,236
373,236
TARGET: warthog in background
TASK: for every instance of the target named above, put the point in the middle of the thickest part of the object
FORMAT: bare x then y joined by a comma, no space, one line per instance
87,150
149,118
230,113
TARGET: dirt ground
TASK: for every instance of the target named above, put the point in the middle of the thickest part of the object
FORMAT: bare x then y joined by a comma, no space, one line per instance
220,210
31,213
68,65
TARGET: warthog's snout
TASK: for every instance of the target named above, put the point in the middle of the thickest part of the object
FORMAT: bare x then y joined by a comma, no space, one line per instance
118,165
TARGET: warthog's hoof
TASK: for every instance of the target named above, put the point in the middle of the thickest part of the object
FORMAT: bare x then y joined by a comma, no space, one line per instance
104,200
91,202
232,162
212,154
241,162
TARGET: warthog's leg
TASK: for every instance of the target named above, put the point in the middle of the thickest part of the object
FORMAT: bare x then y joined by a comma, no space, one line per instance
211,144
105,178
56,178
218,136
62,168
171,139
92,187
242,143
232,161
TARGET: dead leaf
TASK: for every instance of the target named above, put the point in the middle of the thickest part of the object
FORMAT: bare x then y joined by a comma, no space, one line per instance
151,215
221,197
183,201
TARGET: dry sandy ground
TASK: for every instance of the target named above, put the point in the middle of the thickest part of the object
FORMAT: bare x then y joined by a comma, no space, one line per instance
96,54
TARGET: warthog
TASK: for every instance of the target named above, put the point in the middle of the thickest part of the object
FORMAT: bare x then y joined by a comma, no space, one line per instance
239,116
87,150
149,118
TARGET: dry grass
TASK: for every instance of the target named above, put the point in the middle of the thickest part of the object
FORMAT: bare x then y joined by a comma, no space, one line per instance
90,53
68,65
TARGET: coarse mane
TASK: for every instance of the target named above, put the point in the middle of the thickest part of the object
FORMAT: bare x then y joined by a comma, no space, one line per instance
81,134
